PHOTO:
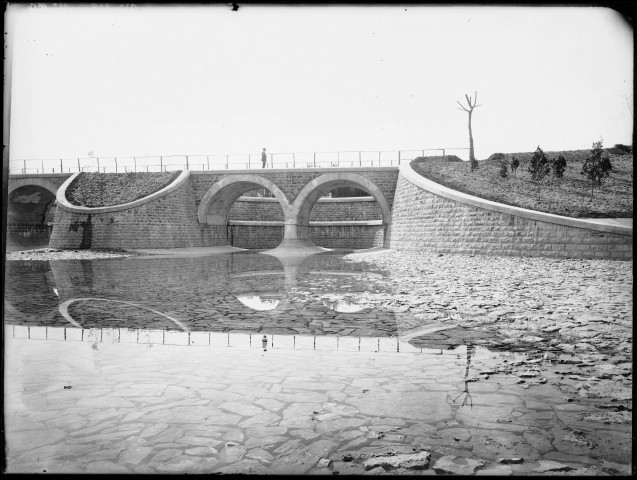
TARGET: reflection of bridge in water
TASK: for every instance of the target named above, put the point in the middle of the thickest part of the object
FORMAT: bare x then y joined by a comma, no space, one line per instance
237,294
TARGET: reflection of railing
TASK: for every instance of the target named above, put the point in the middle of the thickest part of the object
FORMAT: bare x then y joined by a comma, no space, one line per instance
64,310
217,339
238,161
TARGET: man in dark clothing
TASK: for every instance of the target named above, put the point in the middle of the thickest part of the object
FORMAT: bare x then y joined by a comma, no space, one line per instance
264,158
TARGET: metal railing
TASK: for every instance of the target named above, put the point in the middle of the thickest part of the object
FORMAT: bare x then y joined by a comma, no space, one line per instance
236,161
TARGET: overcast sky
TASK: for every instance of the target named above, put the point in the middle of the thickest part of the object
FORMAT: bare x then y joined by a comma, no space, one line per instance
204,80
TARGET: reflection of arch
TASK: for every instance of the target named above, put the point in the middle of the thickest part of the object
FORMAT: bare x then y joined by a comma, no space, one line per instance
215,204
253,300
64,310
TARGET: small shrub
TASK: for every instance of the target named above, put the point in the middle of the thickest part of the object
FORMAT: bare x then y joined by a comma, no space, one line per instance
539,166
497,156
620,149
558,166
597,166
504,170
515,163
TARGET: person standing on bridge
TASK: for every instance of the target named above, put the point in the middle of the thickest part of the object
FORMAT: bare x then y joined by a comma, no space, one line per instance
264,158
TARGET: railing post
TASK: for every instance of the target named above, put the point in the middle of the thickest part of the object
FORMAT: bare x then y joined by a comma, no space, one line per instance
338,158
78,165
379,158
42,166
208,161
98,164
161,164
314,159
399,156
227,162
187,166
115,164
24,166
360,161
134,164
249,161
293,160
443,153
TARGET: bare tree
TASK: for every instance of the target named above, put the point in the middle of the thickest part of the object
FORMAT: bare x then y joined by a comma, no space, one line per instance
472,158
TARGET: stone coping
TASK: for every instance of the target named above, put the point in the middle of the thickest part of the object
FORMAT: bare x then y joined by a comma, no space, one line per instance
66,205
45,175
344,223
599,225
254,171
321,200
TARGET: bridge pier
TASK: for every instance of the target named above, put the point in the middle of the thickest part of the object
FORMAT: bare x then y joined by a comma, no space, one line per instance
296,241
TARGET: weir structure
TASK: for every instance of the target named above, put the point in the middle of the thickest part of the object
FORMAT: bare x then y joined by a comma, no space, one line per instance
402,211
208,208
215,205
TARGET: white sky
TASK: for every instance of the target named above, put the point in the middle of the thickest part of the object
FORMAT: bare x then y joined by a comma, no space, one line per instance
207,80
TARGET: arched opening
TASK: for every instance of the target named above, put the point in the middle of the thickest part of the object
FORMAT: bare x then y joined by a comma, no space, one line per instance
245,211
255,220
326,219
30,216
346,217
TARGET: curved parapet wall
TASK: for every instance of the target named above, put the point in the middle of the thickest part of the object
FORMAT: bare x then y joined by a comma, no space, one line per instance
428,217
164,219
63,202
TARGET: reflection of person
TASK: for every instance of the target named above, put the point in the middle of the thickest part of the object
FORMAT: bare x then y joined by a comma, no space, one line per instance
264,342
264,158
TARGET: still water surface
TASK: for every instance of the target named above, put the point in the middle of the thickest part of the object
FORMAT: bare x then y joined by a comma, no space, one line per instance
240,292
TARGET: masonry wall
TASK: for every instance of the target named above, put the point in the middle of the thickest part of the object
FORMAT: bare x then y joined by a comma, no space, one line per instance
325,210
347,236
167,222
28,231
291,182
425,222
254,236
255,209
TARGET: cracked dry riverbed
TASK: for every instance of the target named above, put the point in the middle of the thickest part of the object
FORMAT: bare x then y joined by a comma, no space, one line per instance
368,363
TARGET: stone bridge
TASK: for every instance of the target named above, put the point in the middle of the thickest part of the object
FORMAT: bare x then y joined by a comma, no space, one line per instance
195,210
404,211
296,191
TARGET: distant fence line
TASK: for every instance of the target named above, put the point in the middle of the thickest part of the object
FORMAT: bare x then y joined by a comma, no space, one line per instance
237,161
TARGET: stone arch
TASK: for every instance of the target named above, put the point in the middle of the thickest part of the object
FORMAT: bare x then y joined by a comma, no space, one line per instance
30,204
17,183
215,204
297,228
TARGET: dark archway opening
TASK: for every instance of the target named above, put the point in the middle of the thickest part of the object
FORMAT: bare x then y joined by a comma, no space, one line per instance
255,220
30,216
346,217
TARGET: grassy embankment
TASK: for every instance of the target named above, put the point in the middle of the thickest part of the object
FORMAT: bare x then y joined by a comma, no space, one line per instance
108,189
569,196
